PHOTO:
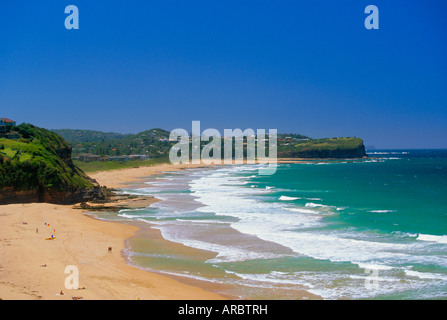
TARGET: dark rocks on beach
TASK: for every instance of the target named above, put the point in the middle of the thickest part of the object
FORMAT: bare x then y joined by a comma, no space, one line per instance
10,195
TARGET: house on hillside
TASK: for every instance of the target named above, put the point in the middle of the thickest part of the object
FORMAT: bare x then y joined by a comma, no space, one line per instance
6,125
7,122
87,157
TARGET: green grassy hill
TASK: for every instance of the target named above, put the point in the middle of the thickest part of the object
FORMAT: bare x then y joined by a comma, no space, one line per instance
39,167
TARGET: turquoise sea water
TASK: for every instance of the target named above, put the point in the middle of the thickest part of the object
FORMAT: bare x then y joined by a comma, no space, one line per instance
363,229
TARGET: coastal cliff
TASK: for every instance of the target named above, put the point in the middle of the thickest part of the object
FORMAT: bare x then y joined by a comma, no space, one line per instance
38,167
336,148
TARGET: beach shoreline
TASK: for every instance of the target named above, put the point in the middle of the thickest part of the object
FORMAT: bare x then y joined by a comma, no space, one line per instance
122,178
33,266
82,238
134,180
39,241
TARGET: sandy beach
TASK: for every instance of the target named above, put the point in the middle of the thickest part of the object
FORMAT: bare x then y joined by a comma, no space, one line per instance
121,178
33,267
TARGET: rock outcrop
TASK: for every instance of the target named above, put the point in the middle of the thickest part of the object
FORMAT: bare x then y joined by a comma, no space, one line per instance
335,148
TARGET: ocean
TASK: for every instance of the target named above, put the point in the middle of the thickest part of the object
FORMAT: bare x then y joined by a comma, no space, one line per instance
348,229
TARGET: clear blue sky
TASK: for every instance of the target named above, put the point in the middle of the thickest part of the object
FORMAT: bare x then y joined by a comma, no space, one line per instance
298,66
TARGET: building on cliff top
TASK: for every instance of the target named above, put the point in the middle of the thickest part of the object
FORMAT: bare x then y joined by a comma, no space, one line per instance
5,127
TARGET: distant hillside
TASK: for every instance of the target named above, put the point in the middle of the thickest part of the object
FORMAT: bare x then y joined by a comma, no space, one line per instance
151,143
84,136
38,167
154,143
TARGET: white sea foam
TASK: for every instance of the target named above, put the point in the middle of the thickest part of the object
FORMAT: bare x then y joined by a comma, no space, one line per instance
132,216
326,284
137,193
401,234
313,205
286,198
374,266
203,221
381,211
391,152
302,210
281,224
432,238
224,252
276,277
274,222
316,205
426,275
